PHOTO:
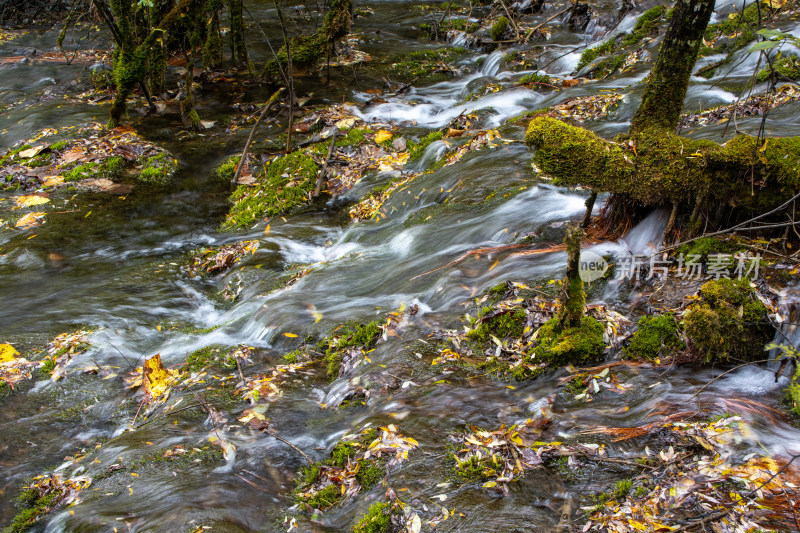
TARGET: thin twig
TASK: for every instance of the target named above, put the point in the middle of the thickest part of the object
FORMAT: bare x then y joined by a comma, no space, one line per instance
726,372
267,106
295,448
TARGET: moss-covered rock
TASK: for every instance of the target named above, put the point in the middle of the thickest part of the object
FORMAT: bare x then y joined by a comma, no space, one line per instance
729,322
423,65
499,28
502,325
656,336
283,187
227,169
158,169
785,68
376,520
564,346
350,335
213,355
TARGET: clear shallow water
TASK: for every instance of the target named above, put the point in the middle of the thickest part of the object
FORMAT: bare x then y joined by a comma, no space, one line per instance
119,273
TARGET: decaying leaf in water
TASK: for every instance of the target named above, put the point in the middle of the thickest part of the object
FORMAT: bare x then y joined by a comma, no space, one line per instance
156,378
29,200
31,220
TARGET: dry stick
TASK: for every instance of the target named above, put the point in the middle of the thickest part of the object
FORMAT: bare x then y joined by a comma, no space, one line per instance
295,448
726,372
267,106
324,170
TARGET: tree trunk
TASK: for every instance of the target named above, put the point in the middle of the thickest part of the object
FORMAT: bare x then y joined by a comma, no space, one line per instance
668,81
575,296
238,47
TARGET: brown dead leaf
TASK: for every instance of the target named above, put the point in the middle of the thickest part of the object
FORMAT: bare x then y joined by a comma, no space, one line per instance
106,185
72,155
31,152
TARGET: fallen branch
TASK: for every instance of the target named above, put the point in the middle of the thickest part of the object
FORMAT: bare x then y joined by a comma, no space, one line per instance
267,106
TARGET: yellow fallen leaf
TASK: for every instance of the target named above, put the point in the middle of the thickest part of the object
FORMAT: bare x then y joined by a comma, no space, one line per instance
346,123
290,335
52,181
157,379
29,200
30,220
7,353
382,136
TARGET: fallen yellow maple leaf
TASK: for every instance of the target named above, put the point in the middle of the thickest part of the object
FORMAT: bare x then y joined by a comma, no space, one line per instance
157,379
382,136
31,220
7,353
30,200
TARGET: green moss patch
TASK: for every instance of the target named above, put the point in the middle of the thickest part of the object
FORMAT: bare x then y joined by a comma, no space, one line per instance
348,336
499,28
571,345
158,169
423,65
378,519
359,461
729,322
283,187
656,336
785,68
213,355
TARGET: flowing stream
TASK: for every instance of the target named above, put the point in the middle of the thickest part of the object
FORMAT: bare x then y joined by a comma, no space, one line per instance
118,272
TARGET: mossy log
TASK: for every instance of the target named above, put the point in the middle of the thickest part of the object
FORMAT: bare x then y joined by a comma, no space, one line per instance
655,168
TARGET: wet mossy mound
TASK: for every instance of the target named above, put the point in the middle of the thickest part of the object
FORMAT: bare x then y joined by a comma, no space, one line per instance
377,519
214,355
359,461
426,65
728,323
656,336
284,186
579,345
346,346
655,168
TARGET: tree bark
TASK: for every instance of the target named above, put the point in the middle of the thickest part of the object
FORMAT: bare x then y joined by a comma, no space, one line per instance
575,296
238,47
668,81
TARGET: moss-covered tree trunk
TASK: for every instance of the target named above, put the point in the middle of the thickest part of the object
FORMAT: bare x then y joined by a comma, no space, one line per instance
574,294
238,47
668,81
212,47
